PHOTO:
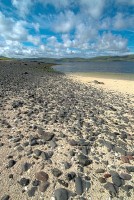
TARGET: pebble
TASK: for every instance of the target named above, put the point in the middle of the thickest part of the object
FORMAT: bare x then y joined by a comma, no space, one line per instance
35,183
116,179
24,181
53,144
37,152
73,142
61,194
56,172
25,167
44,135
5,197
83,160
78,185
130,168
125,176
125,159
128,187
100,171
11,163
71,176
102,180
42,176
44,156
43,186
67,165
32,191
110,187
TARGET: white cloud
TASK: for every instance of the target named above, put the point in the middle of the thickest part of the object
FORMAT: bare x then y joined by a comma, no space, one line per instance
9,29
93,7
64,22
22,6
111,42
123,22
34,39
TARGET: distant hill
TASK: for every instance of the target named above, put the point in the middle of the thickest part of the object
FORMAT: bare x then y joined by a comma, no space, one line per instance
4,58
78,59
113,58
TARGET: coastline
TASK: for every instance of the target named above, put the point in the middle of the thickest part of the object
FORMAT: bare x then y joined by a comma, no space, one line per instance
57,134
124,85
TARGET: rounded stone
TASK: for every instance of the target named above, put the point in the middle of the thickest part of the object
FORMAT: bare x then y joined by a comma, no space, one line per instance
42,176
61,194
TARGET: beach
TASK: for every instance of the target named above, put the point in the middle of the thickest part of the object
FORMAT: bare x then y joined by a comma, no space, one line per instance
64,137
115,83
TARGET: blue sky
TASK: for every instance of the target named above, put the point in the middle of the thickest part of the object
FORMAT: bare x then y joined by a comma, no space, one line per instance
66,28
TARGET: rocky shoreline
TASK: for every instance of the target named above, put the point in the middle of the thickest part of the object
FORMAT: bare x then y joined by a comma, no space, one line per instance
60,139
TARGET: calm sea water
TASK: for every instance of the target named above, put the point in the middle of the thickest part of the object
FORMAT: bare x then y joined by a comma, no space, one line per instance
103,67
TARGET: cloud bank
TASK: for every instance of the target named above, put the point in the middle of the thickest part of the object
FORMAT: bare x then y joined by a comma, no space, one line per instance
66,28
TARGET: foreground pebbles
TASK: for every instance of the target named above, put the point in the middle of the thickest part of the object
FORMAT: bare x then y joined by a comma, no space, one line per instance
63,140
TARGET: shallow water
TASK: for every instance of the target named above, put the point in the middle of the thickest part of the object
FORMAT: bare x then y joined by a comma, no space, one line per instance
125,69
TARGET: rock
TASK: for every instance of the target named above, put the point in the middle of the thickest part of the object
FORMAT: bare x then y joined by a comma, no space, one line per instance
111,188
83,160
120,150
125,176
44,156
11,176
71,176
107,175
130,168
62,182
25,167
123,135
43,186
44,135
17,104
33,142
53,144
109,145
116,178
5,197
85,150
24,181
102,180
20,148
72,153
37,152
100,171
56,172
73,142
78,185
67,165
42,176
127,187
98,82
125,159
11,163
35,183
32,191
61,194
1,144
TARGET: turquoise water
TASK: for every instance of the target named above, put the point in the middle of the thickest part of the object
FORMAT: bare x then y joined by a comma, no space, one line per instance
102,67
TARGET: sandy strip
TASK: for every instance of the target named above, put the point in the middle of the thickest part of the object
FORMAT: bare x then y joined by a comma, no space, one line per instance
115,85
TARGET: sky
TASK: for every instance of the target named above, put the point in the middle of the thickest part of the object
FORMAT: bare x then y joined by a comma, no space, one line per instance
66,28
